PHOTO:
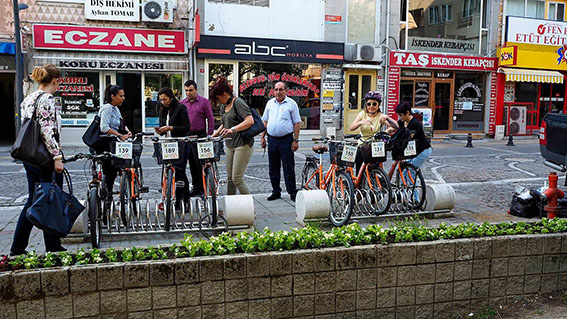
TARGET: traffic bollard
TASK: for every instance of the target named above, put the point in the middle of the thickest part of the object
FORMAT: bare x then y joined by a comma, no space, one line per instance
510,140
551,195
469,140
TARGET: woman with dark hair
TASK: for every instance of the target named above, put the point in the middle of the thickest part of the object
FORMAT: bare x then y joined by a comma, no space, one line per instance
41,104
407,120
236,117
174,122
111,122
370,121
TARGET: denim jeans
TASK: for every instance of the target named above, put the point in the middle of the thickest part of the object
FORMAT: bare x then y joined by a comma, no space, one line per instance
420,159
24,227
280,154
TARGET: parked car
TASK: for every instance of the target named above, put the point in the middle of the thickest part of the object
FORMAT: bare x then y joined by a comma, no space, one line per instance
553,141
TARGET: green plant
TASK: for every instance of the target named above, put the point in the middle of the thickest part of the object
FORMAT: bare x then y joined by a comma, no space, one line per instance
111,255
128,254
96,256
49,260
66,259
82,257
31,260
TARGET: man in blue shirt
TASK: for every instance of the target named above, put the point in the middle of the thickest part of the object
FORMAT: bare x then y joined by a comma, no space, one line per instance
281,118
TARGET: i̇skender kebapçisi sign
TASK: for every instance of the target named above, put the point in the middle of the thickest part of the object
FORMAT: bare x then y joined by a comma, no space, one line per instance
442,61
80,38
237,48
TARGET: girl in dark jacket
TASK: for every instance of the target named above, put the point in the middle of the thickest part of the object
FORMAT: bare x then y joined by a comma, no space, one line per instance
174,122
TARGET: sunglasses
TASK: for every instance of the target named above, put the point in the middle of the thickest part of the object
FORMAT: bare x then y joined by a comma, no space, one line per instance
371,104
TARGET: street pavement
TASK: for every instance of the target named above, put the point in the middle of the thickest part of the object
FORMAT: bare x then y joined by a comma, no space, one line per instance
484,178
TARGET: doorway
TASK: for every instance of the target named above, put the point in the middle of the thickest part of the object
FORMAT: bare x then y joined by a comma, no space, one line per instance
442,104
7,98
358,83
131,109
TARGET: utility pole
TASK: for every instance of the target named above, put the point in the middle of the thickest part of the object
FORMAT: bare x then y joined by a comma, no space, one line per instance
19,62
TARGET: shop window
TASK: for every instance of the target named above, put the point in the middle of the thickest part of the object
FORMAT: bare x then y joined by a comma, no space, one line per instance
449,27
353,92
257,80
515,7
258,3
526,92
154,82
406,91
421,94
469,99
78,97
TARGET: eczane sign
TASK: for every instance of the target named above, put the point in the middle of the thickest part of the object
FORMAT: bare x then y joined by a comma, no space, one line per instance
79,38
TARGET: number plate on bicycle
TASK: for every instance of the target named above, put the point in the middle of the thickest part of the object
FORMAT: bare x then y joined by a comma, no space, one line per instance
205,150
378,149
169,151
411,149
349,153
124,150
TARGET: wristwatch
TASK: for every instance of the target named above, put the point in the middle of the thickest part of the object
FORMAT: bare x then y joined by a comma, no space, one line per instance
296,140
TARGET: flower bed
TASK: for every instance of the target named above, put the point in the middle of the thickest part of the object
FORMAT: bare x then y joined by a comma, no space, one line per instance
308,237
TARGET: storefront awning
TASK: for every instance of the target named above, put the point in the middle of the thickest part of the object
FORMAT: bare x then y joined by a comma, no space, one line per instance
527,75
112,62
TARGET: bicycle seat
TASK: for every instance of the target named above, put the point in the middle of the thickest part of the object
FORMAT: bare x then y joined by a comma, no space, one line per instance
320,149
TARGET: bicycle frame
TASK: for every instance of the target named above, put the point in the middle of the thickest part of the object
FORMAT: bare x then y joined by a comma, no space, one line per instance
215,177
329,174
164,170
397,165
362,172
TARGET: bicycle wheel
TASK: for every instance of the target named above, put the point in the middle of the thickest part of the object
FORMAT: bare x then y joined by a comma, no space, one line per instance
341,196
380,194
211,196
95,222
207,230
168,199
415,186
125,196
308,180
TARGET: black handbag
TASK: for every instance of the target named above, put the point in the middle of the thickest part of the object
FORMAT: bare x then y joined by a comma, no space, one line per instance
29,146
256,128
53,210
91,137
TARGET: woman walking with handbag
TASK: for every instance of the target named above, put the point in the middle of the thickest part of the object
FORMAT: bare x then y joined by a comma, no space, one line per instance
40,105
236,117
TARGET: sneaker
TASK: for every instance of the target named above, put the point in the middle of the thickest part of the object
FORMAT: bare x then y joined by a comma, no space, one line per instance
274,196
12,254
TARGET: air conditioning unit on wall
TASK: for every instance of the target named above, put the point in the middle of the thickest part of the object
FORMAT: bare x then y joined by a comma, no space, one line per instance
157,11
517,120
363,52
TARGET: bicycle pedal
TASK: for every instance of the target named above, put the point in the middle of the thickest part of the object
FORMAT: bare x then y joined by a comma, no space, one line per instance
145,189
222,182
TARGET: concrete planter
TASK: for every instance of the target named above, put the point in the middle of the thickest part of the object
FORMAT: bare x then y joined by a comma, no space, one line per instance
436,279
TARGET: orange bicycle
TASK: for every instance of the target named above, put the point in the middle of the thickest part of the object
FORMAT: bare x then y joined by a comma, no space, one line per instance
373,191
169,152
408,184
126,157
336,180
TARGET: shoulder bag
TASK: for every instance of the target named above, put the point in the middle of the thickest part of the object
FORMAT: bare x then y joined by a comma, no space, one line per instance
91,135
256,128
29,146
53,210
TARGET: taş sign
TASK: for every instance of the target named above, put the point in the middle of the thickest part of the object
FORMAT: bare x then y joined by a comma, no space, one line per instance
113,10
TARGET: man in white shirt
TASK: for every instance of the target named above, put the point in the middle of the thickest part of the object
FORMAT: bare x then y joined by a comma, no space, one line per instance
281,118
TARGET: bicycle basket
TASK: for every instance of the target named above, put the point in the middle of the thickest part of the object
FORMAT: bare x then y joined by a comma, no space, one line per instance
366,152
336,152
126,163
181,147
217,146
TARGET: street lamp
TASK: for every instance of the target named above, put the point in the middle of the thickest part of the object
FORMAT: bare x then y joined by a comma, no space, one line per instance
19,63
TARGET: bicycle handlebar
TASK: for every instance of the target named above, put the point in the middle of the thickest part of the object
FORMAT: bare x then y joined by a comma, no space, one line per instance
79,156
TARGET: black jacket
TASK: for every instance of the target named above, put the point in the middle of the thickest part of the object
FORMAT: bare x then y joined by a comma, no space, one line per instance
178,118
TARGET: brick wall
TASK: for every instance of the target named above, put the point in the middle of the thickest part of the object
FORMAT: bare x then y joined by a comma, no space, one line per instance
418,280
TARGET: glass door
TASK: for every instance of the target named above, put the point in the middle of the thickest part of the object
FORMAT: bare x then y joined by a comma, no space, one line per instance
214,69
131,109
442,106
358,83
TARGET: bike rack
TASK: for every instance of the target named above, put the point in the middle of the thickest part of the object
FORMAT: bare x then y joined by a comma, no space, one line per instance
150,219
399,206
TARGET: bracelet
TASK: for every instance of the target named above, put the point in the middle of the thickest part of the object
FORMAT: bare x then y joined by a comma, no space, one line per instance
58,157
233,130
